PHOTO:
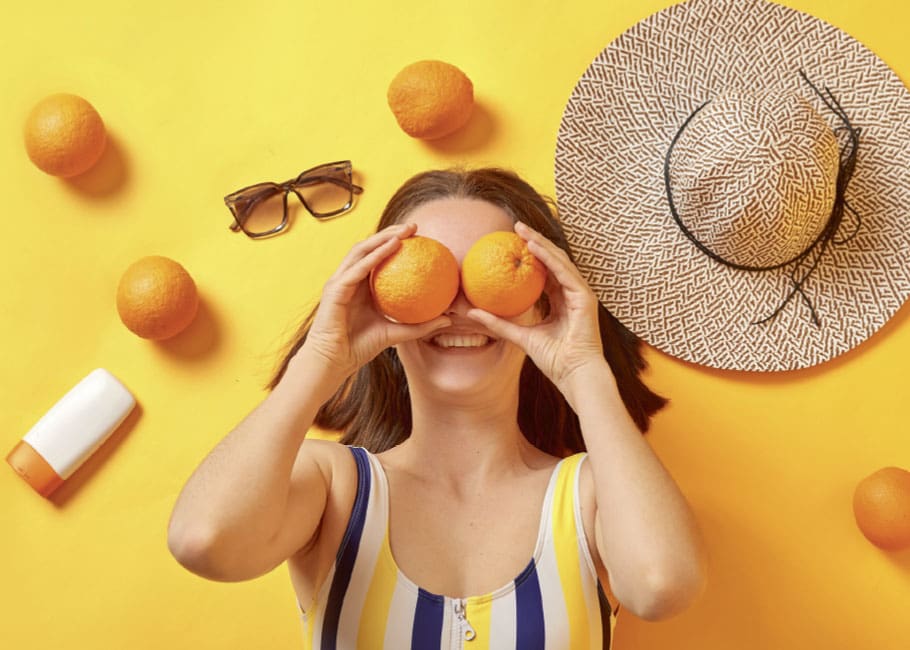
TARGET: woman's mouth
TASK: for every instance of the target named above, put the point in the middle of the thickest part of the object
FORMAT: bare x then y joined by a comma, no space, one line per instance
450,341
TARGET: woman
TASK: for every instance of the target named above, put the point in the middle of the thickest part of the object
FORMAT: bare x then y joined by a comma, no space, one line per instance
456,511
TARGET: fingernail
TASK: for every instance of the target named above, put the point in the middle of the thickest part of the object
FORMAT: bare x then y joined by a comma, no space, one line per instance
523,226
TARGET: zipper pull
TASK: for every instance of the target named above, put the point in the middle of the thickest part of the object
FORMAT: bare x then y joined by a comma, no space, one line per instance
467,631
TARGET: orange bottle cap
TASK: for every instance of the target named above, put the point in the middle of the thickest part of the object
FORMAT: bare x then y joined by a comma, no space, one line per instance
34,470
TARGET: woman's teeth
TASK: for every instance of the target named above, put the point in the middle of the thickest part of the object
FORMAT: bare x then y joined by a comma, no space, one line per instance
460,340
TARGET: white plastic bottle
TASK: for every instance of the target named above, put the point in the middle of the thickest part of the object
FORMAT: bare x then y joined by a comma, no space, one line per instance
71,431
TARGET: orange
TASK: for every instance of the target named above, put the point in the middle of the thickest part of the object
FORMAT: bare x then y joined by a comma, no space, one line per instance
881,504
157,298
417,282
431,99
500,275
64,135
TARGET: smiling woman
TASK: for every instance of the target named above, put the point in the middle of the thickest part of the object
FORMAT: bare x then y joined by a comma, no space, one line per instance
491,484
543,410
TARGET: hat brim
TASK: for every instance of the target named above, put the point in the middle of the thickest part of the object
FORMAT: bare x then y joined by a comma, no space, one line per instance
614,135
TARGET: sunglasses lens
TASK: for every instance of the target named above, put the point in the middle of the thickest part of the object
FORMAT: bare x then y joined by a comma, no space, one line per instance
326,190
260,209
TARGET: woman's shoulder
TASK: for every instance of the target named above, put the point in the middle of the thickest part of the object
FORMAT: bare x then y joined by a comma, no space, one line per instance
325,448
333,459
338,469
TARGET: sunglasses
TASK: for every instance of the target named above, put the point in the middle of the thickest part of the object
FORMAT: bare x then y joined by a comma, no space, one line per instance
261,210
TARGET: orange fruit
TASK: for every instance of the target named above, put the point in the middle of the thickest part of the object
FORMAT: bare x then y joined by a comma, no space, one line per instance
156,298
64,135
881,504
499,274
431,99
417,282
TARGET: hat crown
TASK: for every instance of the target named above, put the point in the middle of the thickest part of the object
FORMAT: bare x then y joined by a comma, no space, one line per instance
754,176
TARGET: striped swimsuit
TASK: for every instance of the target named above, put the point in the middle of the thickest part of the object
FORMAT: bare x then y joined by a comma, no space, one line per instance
366,602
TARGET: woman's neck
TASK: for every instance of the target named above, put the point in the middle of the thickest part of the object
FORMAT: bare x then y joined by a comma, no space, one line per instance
463,446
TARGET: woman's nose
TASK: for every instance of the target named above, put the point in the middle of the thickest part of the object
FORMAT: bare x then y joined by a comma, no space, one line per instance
460,305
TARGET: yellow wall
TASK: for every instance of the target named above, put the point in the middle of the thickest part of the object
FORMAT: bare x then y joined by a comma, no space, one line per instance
204,97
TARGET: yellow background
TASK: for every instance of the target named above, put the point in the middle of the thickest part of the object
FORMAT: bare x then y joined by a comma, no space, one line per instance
201,98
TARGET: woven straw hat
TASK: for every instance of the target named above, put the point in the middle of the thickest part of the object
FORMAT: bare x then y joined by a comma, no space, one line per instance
734,179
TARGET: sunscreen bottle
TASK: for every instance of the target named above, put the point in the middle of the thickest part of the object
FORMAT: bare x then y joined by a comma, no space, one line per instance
71,431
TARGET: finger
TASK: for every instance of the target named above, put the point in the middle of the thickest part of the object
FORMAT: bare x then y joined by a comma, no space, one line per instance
399,333
528,233
555,295
501,327
361,269
343,285
534,238
554,258
366,256
371,243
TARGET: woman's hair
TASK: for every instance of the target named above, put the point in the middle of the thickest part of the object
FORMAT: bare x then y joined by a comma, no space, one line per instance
373,406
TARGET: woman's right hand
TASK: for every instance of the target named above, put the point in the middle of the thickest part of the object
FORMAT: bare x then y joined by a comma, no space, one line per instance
348,331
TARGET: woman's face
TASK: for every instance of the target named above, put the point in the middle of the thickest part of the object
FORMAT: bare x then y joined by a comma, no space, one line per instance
463,359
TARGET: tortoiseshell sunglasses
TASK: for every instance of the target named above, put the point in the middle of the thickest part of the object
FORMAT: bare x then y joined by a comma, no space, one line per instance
261,210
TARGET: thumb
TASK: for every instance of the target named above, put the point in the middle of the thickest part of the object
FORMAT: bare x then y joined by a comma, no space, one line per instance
499,326
399,333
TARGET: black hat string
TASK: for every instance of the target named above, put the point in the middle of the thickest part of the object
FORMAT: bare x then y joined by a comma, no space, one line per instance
811,254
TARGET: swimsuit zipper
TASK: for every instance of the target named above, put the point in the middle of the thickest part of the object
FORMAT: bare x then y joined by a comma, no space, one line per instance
467,632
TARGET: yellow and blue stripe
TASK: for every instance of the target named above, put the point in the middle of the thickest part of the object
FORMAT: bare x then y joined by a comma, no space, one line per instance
366,602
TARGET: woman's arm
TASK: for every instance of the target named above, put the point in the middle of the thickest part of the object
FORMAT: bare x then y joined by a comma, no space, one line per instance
646,534
260,494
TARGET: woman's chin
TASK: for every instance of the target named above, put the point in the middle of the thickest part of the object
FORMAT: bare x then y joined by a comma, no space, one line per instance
459,384
472,374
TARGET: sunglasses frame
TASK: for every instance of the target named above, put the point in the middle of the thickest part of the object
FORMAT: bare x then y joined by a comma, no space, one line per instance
305,178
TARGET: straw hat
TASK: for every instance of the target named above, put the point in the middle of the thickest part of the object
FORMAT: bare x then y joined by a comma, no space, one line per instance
734,179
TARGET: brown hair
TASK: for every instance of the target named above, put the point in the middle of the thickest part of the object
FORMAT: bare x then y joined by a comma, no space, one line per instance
373,406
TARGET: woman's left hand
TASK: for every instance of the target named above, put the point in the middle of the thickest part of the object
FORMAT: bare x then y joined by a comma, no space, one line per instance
568,339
